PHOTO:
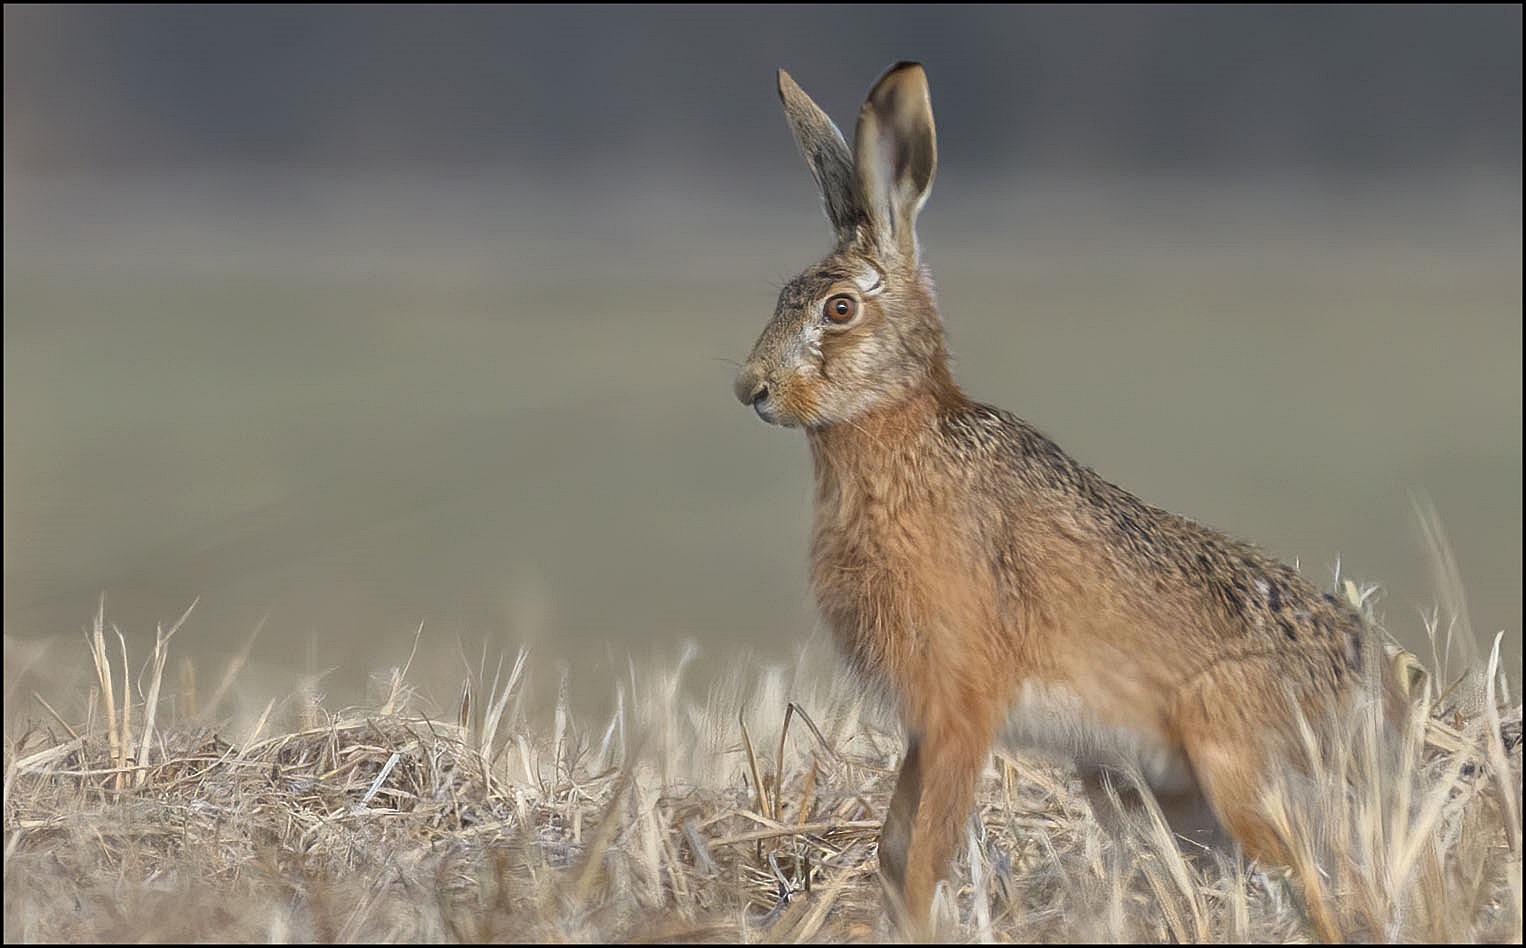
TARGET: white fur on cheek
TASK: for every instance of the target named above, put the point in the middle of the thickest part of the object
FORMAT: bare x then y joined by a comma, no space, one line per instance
805,352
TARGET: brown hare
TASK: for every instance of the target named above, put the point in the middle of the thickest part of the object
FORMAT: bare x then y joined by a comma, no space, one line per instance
997,590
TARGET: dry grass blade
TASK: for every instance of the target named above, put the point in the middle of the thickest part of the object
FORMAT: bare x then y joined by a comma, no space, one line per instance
1170,855
789,712
1509,791
752,767
155,679
464,707
257,729
1448,582
381,778
498,702
819,905
126,744
559,733
395,689
41,760
981,890
609,825
56,716
800,829
826,745
102,661
230,673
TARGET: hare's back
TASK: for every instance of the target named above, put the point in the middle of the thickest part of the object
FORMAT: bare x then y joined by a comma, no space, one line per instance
1147,581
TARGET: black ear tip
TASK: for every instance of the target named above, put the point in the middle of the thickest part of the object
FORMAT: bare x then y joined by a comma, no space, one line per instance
902,69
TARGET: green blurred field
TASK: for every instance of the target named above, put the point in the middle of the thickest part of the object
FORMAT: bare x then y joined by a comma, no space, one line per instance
344,409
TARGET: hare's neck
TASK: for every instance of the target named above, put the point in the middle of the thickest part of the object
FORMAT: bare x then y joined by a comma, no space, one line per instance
882,457
884,529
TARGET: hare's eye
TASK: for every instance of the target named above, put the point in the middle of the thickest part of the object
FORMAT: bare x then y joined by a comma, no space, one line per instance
840,308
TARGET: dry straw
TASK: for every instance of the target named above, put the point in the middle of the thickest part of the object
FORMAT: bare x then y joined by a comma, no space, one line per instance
670,822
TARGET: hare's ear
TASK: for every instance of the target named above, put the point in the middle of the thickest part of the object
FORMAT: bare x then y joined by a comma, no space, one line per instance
897,153
826,152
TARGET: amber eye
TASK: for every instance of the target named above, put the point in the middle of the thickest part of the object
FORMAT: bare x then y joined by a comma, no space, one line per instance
840,308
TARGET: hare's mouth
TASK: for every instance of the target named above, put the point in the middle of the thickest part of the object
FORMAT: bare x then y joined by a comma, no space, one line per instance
769,414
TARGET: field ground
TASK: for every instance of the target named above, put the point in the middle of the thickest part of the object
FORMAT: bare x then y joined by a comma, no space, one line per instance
748,816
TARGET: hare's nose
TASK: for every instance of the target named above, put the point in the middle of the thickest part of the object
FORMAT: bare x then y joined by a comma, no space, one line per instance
750,388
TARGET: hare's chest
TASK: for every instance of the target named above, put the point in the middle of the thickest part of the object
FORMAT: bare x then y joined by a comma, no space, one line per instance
901,605
873,592
1055,720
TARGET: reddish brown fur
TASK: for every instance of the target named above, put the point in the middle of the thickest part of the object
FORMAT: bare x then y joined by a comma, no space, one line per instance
966,564
895,539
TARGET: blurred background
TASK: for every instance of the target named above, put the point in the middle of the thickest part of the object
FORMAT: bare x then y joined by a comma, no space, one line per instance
350,320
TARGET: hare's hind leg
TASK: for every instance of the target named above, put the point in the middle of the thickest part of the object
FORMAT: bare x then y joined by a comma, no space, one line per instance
1231,737
1186,810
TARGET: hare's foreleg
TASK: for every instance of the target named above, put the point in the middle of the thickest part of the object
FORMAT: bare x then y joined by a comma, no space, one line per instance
895,836
947,767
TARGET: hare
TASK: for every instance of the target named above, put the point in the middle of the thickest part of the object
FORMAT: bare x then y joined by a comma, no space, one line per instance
997,590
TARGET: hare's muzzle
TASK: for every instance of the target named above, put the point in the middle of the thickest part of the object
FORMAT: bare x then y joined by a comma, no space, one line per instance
752,390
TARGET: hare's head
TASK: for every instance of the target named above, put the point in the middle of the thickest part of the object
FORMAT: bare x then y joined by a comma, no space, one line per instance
860,329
